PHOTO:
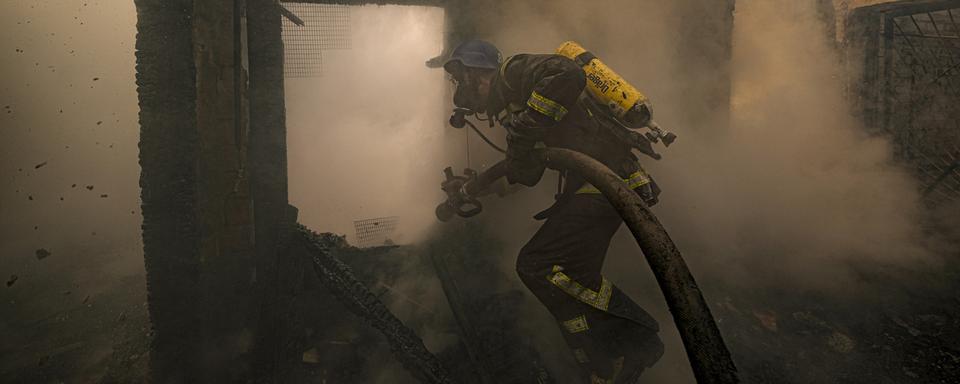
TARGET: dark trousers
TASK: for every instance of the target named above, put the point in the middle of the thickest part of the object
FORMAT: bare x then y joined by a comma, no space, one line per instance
608,333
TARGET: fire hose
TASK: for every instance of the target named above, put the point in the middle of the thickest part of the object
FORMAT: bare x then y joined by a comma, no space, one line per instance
709,357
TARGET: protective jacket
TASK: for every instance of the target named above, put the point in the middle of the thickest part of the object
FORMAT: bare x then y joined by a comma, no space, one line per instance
540,99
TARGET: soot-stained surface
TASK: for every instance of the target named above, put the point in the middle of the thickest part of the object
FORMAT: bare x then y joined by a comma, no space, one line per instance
904,331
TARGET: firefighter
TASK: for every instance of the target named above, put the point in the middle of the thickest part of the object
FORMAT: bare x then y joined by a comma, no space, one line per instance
538,98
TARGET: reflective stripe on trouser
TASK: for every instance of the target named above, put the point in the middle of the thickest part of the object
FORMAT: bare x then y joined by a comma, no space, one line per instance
561,266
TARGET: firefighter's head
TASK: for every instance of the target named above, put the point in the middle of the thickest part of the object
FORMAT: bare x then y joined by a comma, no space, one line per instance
472,65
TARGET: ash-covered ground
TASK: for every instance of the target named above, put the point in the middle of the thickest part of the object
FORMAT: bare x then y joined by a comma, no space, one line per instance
80,323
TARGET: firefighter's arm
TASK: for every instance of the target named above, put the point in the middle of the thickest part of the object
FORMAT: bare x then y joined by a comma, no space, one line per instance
557,84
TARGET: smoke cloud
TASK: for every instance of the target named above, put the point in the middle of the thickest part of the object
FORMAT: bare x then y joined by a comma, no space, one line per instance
795,191
792,195
68,157
793,187
68,185
366,139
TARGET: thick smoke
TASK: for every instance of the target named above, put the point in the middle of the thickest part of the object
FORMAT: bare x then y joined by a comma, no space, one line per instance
68,153
793,194
68,182
366,139
68,156
793,189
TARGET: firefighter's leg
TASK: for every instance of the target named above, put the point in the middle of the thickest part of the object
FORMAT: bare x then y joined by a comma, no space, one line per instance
608,333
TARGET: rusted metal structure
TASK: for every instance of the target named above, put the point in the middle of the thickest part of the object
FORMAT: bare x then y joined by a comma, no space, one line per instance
218,231
908,53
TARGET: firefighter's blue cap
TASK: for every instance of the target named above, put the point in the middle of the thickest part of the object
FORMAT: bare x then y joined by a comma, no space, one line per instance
474,54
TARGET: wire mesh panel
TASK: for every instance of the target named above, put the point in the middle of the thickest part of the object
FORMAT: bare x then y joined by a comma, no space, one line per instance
376,232
920,93
310,29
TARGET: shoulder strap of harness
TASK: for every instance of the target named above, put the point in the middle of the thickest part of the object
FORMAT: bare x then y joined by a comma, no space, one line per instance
503,72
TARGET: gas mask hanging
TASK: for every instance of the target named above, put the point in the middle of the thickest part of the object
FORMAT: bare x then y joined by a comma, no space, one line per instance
467,94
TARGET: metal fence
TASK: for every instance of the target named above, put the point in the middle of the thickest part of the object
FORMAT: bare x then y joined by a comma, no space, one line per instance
915,90
376,232
310,29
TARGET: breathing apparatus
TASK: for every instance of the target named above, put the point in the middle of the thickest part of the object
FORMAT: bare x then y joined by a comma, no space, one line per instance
619,98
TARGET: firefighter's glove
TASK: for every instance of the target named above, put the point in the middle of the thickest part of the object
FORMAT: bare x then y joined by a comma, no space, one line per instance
523,166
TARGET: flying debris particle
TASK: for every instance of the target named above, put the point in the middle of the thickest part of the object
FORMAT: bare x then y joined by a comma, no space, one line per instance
89,187
103,196
122,317
73,186
36,227
38,166
61,198
86,299
96,78
43,253
66,293
100,122
12,281
30,197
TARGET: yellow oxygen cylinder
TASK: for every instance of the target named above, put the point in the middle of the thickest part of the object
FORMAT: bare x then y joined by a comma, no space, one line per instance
608,88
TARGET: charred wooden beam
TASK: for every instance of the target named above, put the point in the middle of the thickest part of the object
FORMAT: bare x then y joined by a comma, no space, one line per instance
407,347
198,223
169,145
